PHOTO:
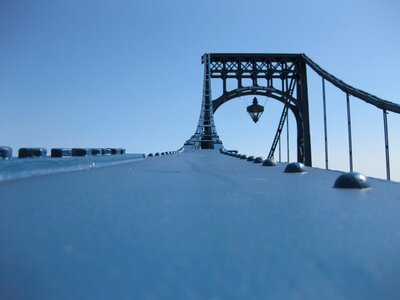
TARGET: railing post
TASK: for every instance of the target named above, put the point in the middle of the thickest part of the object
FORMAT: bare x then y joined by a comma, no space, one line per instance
325,124
349,132
287,137
385,127
279,143
287,125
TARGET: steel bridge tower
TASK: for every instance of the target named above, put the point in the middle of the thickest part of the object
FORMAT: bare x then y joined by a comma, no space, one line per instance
206,136
284,75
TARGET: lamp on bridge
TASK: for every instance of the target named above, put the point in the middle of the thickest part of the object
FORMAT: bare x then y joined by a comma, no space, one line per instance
255,110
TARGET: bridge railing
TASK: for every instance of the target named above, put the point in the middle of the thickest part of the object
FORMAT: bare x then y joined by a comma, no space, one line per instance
384,105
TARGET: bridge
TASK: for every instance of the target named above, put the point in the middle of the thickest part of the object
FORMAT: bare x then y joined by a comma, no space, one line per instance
282,77
203,221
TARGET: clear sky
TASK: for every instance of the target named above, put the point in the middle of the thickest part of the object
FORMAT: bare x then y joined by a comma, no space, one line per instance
128,73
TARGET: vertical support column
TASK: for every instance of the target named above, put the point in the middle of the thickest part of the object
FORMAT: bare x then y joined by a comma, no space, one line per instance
287,123
254,73
287,137
385,127
224,84
224,74
303,130
349,132
239,74
279,146
206,140
325,125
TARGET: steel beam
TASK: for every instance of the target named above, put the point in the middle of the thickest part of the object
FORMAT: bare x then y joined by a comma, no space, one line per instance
349,132
325,125
385,126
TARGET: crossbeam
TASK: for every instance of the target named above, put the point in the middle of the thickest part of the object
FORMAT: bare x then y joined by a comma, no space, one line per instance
269,74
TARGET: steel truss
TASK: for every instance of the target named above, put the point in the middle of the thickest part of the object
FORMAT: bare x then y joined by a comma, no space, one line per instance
206,136
277,76
282,77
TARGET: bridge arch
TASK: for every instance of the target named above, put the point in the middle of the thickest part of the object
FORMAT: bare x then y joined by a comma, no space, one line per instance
284,97
254,90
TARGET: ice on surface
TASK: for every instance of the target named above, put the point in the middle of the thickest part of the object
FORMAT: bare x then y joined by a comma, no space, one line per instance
198,225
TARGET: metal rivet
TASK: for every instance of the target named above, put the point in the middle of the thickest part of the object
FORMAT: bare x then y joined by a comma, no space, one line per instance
96,151
258,160
5,152
61,152
269,163
115,151
351,180
295,167
32,152
106,151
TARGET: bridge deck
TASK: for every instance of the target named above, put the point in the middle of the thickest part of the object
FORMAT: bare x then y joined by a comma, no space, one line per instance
198,225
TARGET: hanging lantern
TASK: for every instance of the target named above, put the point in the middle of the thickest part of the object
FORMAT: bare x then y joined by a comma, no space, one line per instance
255,110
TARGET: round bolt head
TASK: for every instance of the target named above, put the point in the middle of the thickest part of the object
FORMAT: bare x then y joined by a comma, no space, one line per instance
351,180
244,156
295,167
258,160
269,163
250,158
5,152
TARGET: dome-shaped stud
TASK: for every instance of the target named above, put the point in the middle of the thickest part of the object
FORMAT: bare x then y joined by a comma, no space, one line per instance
157,154
244,156
250,158
150,154
5,152
269,163
295,167
238,155
32,152
258,160
351,180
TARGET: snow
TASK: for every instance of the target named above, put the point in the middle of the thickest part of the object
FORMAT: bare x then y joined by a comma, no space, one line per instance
197,225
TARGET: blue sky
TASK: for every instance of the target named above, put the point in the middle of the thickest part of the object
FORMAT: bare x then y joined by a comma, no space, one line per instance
128,73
